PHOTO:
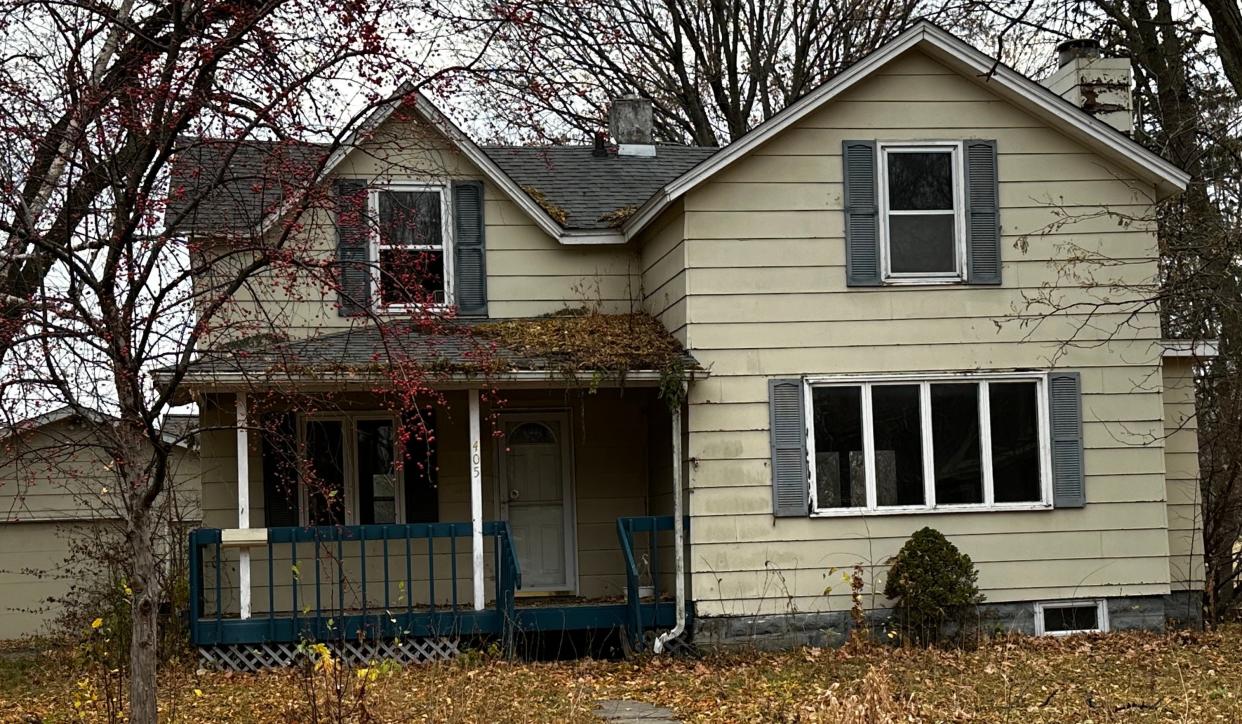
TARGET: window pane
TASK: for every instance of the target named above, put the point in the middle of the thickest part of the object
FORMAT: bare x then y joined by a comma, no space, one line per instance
920,180
919,244
411,277
325,484
410,217
377,477
840,480
955,441
898,444
421,471
1072,618
1015,441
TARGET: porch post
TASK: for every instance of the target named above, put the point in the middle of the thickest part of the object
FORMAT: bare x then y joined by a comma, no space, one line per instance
243,504
476,498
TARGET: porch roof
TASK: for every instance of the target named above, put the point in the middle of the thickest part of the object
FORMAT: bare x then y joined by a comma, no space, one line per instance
595,347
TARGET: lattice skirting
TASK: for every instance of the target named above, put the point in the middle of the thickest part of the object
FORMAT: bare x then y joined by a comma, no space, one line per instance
259,657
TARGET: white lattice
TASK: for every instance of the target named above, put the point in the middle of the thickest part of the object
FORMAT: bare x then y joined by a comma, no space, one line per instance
259,657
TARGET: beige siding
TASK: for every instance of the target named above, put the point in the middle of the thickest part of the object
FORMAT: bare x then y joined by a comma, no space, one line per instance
529,272
664,271
611,470
56,491
766,297
1181,456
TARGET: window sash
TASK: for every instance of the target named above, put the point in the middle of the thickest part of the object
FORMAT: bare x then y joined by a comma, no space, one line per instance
954,150
1101,616
445,246
353,497
866,383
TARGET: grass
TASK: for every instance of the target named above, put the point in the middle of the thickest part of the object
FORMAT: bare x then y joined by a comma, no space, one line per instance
1127,677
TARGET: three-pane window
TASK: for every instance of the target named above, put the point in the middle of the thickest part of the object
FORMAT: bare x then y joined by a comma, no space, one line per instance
921,212
411,258
901,444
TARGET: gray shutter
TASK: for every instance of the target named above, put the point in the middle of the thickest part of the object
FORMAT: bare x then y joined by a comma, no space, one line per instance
790,485
862,229
1065,419
469,251
983,239
353,247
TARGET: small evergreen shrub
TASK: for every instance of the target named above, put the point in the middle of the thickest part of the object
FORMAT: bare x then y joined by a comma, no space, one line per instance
934,584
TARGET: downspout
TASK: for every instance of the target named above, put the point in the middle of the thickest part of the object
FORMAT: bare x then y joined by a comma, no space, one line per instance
679,534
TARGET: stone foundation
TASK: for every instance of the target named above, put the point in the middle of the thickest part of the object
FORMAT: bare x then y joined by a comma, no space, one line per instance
832,628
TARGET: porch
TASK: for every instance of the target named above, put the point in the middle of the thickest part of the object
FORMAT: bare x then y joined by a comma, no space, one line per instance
551,512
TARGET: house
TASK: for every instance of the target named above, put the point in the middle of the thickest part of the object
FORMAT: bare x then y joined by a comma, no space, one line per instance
913,298
58,506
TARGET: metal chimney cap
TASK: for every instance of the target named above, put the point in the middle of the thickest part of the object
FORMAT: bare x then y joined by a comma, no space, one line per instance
1071,50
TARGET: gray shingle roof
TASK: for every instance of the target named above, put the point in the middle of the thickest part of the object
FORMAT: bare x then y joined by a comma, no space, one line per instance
255,177
589,187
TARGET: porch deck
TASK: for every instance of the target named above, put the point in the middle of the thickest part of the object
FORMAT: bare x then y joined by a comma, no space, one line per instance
350,583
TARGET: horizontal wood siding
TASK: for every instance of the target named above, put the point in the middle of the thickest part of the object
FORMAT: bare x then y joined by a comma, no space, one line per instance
766,297
1181,459
664,271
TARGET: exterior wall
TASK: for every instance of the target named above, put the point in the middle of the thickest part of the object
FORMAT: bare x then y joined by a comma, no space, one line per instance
611,468
664,271
766,297
529,272
52,502
1181,459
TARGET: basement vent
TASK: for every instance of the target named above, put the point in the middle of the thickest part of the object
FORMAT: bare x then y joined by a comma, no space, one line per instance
1062,618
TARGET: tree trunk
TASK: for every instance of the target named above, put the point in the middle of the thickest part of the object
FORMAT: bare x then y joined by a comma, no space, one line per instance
143,647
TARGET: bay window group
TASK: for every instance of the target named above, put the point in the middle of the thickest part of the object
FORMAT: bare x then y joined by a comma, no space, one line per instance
920,443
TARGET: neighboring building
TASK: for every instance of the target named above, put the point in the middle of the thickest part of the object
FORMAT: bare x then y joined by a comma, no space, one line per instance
57,499
890,319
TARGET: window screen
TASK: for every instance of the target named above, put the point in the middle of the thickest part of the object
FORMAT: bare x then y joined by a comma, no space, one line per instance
840,468
1065,619
920,216
955,440
1015,441
411,248
898,445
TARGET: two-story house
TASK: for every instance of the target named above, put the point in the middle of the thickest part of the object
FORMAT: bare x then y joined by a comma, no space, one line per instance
913,298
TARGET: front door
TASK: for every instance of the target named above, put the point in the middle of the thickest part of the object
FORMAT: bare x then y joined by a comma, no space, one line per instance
535,498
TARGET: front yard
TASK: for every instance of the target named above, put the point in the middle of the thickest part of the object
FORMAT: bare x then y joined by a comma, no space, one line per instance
1115,678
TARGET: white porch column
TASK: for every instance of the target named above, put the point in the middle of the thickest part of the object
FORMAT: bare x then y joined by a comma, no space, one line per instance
243,504
476,498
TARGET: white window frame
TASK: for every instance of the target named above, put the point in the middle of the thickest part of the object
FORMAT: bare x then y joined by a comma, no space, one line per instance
925,380
1101,616
445,247
954,149
349,430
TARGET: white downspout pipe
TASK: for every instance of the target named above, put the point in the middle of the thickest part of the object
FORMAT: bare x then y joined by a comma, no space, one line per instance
243,504
679,535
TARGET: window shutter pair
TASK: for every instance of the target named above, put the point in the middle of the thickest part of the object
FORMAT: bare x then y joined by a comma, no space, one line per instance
791,485
862,213
354,248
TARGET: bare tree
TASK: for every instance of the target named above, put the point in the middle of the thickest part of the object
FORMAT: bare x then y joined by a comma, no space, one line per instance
713,70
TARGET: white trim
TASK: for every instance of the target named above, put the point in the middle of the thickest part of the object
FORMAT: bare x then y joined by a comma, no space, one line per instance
446,246
1201,349
958,212
243,504
924,380
564,439
1101,616
967,60
586,238
476,501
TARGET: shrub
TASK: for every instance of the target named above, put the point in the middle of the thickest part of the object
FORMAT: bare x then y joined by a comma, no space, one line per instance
934,584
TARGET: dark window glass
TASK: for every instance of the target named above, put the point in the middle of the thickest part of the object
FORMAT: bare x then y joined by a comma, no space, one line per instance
422,501
840,476
955,441
920,181
898,444
1071,618
1015,441
922,244
325,481
410,276
280,470
377,476
410,218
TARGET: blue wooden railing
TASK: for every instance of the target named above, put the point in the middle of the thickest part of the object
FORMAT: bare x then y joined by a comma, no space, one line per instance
314,618
641,616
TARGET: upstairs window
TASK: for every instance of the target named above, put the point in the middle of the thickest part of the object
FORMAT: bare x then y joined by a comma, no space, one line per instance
921,220
907,444
411,246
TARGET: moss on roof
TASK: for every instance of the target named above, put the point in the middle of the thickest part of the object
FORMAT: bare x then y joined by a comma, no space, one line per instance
577,340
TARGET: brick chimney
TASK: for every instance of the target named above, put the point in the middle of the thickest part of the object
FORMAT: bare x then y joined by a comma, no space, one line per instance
1098,85
629,122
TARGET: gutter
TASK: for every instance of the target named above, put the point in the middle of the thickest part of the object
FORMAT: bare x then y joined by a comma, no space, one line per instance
679,535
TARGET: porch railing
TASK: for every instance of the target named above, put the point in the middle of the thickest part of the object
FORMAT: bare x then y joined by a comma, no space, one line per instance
350,608
642,616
